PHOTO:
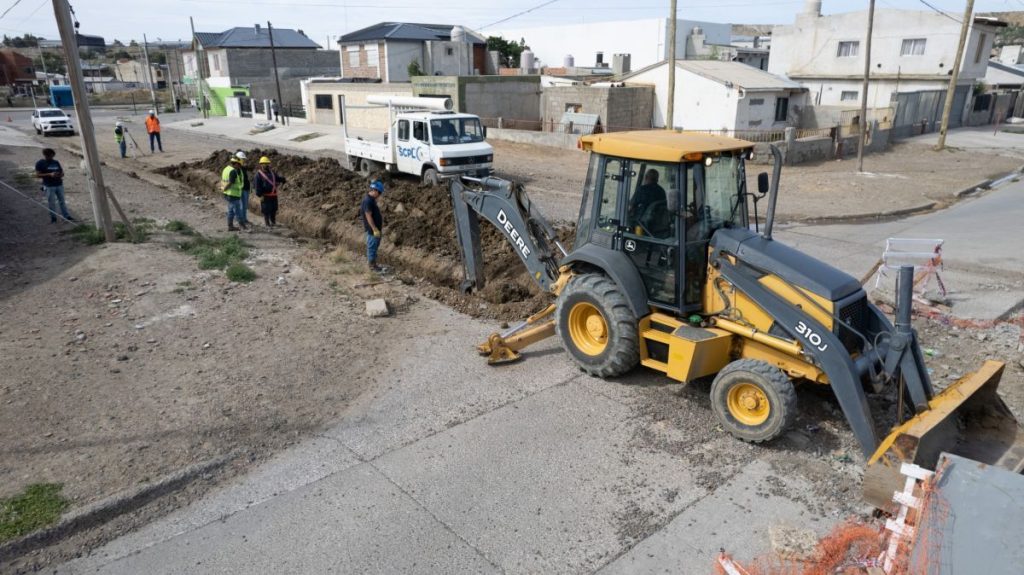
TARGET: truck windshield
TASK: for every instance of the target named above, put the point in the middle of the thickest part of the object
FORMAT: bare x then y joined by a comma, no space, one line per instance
456,131
51,114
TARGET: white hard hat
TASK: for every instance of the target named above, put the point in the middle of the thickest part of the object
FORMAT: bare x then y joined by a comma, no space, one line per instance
119,124
152,112
240,155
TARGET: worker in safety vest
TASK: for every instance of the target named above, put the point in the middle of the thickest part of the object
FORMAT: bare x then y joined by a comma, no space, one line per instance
231,184
119,138
266,183
153,128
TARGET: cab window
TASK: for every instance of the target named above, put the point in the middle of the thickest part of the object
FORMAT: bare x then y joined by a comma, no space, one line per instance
419,131
652,205
403,130
608,206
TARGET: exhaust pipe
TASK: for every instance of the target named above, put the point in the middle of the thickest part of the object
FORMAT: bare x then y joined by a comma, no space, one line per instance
773,191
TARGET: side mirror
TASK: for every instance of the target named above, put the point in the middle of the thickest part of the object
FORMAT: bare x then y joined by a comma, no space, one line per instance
485,132
762,183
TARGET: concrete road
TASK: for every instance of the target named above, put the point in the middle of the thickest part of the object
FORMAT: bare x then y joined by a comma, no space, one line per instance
983,253
982,138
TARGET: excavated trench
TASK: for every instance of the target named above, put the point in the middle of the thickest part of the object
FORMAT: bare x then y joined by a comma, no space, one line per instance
321,200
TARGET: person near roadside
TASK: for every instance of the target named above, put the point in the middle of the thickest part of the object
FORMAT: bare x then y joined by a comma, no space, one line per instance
265,184
119,138
373,222
246,188
153,129
51,174
231,185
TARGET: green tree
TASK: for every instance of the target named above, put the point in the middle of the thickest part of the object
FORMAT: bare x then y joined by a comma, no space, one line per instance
121,55
158,57
117,43
414,69
54,63
508,51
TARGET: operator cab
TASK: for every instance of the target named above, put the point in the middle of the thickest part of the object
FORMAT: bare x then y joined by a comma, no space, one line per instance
659,197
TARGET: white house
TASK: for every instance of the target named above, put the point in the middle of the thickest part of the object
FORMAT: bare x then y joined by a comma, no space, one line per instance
911,51
646,41
717,95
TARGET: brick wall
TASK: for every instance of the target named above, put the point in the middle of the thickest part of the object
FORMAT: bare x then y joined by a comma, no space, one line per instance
364,69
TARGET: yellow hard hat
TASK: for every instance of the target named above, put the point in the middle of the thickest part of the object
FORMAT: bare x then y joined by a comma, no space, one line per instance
264,160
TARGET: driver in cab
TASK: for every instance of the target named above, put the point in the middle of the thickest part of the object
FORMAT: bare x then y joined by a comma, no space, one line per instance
649,198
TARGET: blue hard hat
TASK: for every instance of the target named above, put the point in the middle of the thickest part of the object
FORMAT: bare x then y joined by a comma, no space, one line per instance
377,185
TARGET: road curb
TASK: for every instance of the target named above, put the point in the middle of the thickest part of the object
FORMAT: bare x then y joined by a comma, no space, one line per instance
106,509
871,216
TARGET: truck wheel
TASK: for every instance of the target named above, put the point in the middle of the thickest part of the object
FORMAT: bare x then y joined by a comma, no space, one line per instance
430,177
39,132
597,327
753,400
364,167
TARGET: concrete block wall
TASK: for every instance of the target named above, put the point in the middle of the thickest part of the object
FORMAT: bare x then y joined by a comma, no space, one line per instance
507,97
630,108
254,67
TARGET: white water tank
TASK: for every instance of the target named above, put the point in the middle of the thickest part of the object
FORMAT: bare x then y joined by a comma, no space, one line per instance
569,61
526,61
458,34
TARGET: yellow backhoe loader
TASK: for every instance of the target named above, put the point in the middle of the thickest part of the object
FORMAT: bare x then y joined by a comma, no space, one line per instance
666,272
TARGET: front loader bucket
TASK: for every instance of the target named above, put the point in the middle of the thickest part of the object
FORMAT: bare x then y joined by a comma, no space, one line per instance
968,419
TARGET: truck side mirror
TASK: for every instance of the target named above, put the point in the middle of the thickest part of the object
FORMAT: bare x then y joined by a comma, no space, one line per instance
485,132
762,183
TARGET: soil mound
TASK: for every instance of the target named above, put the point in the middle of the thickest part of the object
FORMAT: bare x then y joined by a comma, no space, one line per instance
321,200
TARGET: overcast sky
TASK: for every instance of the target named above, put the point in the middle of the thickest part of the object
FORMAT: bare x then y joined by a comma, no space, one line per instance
168,19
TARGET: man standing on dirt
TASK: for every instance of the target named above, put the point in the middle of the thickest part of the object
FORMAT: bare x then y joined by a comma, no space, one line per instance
369,212
51,173
119,138
153,128
246,188
231,185
265,183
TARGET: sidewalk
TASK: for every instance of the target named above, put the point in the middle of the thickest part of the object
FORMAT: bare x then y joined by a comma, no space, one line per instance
320,138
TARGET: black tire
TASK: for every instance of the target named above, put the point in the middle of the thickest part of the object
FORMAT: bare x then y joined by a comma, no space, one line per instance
363,167
733,384
431,178
619,349
39,132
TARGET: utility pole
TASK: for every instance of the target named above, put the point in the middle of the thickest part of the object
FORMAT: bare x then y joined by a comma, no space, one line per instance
864,90
671,108
97,191
199,67
273,58
149,70
951,90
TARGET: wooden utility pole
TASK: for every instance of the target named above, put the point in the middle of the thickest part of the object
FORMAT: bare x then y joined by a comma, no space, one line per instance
864,90
149,71
199,68
100,209
671,107
273,58
951,90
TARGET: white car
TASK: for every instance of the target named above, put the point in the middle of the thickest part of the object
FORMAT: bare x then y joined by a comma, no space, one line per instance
48,121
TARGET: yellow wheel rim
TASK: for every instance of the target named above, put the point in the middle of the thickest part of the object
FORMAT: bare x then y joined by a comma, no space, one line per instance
588,329
748,403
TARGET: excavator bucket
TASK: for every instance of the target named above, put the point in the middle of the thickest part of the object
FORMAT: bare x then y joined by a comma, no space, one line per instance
968,419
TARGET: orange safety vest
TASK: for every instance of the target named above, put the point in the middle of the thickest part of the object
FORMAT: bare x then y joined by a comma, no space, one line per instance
152,125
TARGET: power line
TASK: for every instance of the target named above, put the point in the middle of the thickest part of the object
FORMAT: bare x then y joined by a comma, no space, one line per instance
940,11
517,14
16,2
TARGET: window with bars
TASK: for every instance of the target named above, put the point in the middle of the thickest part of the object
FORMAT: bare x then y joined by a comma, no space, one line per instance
849,96
912,47
372,56
848,49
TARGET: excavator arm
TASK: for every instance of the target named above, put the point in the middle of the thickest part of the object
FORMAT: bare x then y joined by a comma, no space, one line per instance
507,207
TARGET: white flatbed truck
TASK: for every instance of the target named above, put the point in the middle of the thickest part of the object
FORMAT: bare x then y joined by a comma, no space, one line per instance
424,138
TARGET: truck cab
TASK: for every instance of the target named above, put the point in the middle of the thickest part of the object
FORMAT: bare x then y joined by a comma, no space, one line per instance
424,138
438,145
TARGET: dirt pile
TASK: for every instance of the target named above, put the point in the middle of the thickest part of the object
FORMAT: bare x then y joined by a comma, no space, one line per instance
321,200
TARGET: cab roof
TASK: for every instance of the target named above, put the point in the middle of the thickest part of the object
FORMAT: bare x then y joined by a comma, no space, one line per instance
661,145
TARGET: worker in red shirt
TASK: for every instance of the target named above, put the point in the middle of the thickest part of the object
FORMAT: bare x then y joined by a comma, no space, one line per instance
153,128
266,183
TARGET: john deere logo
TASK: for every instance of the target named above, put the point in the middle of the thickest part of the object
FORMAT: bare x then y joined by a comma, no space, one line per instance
630,246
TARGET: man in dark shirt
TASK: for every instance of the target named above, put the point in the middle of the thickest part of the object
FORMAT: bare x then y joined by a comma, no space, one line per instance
369,212
50,172
648,193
